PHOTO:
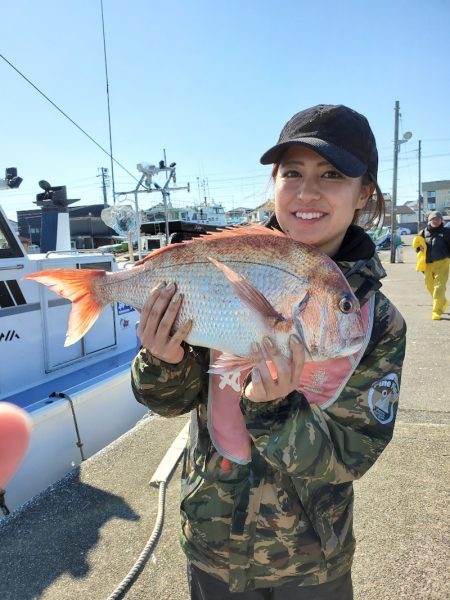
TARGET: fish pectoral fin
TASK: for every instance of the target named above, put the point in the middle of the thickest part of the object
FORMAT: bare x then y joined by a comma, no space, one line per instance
247,292
228,363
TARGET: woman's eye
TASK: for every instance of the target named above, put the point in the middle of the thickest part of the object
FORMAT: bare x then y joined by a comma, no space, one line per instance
291,173
332,175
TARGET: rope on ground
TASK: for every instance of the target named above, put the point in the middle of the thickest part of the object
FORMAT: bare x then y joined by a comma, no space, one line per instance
147,551
159,479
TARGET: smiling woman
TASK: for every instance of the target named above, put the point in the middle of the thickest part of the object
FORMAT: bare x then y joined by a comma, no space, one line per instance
276,522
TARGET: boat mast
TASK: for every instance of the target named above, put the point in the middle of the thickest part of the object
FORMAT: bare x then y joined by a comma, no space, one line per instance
109,108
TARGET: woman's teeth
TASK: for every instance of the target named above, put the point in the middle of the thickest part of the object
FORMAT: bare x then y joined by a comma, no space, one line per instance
302,215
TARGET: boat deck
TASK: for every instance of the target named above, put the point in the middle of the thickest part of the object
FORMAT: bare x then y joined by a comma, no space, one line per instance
70,383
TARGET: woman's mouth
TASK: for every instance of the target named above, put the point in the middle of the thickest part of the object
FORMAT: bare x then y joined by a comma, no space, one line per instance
308,216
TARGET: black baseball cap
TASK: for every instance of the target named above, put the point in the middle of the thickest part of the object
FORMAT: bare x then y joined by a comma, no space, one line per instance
338,133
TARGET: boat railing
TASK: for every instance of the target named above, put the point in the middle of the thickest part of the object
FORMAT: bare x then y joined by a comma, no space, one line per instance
75,252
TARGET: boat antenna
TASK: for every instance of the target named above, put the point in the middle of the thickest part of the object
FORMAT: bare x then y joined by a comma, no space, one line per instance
109,109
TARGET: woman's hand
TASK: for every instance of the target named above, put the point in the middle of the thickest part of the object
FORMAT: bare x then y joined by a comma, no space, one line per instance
156,325
263,387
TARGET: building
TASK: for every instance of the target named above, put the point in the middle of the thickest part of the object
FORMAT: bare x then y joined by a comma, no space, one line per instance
436,196
262,212
406,217
87,229
239,215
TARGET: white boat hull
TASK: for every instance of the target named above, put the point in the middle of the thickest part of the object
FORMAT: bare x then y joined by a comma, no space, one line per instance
104,410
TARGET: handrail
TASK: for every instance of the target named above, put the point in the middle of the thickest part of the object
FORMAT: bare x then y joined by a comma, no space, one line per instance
74,416
19,266
87,251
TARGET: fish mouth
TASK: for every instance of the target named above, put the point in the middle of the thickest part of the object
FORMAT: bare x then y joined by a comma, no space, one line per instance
353,345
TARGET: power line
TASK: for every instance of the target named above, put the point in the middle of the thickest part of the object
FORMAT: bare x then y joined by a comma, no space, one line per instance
67,116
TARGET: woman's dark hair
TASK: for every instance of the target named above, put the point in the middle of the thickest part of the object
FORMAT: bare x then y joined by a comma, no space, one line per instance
372,215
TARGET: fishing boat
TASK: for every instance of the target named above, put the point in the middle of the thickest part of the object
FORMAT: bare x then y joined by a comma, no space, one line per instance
79,397
183,223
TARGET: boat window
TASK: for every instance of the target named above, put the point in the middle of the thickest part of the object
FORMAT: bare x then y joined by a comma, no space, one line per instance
9,248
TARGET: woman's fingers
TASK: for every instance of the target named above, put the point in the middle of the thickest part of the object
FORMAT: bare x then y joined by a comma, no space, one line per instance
145,324
275,375
181,333
156,324
170,305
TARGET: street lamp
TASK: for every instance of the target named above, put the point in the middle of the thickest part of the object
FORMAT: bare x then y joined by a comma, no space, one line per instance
397,143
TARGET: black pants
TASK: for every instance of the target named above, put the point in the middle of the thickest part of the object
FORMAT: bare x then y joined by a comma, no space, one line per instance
205,587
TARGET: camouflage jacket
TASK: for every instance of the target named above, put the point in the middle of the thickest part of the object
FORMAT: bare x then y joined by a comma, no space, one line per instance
286,517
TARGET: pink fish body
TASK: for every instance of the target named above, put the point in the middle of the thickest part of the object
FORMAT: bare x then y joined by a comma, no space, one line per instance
238,286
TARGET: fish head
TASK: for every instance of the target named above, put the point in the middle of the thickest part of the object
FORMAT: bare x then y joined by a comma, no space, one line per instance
329,323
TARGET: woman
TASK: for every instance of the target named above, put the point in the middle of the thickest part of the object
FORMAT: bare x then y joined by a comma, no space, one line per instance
280,526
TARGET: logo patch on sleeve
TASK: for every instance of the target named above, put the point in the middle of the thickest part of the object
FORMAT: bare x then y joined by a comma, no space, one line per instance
383,397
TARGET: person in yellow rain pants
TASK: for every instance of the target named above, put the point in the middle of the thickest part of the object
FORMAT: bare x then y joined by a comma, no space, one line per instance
437,261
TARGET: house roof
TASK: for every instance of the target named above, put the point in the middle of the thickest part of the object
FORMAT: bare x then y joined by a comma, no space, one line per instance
267,205
405,210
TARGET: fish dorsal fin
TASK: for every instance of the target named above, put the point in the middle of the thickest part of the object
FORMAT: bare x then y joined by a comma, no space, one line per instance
248,293
229,232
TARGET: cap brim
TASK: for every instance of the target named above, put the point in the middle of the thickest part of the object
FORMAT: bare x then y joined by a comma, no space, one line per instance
341,159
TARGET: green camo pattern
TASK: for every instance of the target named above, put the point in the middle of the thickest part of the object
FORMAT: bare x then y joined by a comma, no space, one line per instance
286,517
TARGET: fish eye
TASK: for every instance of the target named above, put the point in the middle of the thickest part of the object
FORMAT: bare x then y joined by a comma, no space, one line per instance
345,305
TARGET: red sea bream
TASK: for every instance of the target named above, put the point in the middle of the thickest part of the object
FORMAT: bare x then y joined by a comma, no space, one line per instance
238,286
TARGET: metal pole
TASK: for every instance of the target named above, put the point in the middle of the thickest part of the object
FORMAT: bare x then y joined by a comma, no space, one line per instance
109,108
165,194
138,219
394,183
104,171
420,186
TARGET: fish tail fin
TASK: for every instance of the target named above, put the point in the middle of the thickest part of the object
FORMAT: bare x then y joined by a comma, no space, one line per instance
77,285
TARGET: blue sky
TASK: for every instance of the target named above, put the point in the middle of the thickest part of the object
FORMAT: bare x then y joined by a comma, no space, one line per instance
212,83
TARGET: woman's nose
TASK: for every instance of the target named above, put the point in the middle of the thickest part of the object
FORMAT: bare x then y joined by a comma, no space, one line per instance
308,189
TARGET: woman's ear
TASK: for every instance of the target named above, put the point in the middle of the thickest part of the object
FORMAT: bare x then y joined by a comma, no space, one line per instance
366,192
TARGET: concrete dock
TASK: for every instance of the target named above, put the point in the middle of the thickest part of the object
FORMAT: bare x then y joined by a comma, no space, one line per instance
79,539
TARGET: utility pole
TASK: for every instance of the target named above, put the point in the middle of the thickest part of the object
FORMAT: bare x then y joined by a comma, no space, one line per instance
394,183
420,186
105,177
406,136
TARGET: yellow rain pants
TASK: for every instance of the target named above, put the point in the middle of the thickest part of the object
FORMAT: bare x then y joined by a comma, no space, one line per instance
436,276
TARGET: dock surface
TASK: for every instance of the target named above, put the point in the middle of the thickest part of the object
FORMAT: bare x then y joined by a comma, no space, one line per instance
80,538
